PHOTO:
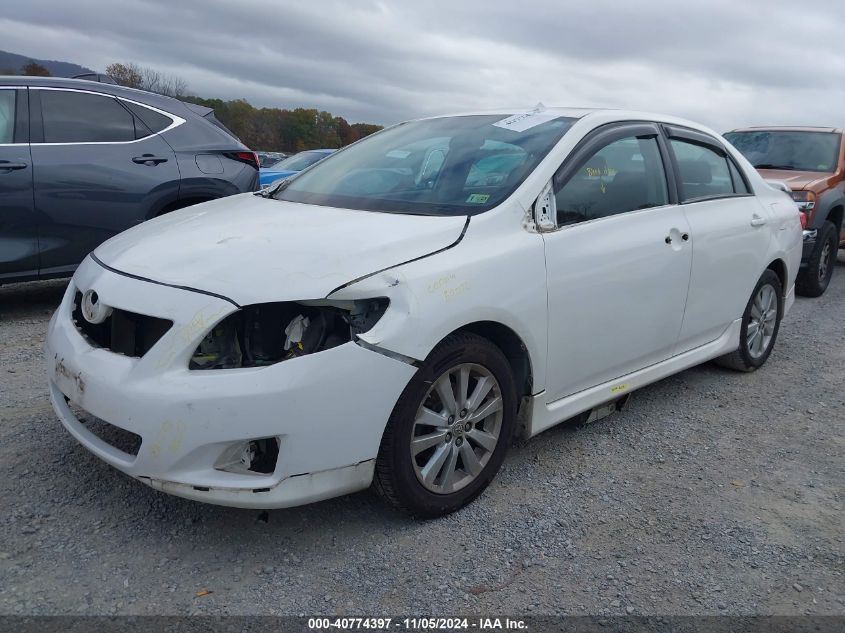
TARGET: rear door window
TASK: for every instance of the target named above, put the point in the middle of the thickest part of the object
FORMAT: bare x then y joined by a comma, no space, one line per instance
7,116
740,185
80,117
703,172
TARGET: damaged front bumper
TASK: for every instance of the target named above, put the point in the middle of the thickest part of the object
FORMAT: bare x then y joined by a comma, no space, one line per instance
325,412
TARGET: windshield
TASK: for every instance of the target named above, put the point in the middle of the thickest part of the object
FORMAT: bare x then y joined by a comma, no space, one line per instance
444,166
298,162
799,151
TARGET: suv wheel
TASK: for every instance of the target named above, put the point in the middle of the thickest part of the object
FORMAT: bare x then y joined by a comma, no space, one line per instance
450,429
760,324
813,280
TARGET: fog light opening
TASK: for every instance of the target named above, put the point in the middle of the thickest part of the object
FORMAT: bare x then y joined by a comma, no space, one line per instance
256,457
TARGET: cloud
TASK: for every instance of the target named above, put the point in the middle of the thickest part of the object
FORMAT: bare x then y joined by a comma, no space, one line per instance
722,62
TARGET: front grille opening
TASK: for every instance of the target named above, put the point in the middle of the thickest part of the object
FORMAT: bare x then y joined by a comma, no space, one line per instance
121,439
127,333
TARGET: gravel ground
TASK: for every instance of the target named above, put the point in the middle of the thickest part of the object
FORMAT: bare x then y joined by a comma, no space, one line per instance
714,492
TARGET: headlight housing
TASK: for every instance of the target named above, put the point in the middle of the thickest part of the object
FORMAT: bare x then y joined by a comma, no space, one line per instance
806,200
268,333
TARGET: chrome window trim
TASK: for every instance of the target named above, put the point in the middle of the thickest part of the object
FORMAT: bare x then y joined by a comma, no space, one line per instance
176,120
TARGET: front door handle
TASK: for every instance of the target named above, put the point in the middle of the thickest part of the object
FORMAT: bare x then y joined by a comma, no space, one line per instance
684,237
149,159
6,166
756,220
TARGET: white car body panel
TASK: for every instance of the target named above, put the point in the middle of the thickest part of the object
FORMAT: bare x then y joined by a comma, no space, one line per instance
636,290
185,417
438,295
724,244
653,309
287,251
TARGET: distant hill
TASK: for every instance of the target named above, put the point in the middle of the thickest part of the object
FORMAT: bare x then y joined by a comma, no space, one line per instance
13,61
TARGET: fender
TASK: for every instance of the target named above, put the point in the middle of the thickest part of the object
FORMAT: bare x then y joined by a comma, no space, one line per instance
830,206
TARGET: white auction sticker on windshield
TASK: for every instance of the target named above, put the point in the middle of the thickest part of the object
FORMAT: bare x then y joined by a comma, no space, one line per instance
522,121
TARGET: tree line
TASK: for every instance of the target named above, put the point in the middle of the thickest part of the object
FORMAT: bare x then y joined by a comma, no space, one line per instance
269,129
31,69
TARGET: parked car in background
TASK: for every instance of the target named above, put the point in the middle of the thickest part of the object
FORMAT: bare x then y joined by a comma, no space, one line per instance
265,159
81,161
381,317
811,161
292,165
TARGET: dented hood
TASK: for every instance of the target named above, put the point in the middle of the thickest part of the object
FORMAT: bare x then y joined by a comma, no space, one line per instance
252,249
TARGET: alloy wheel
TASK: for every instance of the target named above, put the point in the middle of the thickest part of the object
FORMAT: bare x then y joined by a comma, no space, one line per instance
762,321
456,428
824,261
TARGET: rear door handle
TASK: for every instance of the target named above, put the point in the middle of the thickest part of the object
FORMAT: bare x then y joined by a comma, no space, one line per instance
756,220
149,159
6,166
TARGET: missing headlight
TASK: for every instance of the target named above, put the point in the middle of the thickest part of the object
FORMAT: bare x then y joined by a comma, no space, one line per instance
268,333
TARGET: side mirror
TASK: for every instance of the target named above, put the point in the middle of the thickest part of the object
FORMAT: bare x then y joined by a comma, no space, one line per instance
545,209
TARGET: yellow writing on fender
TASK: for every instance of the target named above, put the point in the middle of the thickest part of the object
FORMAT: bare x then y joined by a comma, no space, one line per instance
620,388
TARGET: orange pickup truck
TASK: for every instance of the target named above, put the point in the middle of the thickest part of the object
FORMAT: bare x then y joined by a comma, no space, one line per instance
811,162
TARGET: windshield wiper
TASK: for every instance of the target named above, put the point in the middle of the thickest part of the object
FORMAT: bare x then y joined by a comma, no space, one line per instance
269,192
771,166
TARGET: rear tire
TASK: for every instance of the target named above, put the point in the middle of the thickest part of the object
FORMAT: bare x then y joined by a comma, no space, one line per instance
440,451
815,278
760,325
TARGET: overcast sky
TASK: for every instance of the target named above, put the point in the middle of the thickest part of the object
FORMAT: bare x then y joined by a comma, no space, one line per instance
724,63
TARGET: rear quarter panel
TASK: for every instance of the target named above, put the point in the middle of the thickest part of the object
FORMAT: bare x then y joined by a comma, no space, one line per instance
205,171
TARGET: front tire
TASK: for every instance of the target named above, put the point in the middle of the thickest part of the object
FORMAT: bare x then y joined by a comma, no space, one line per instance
760,325
450,429
815,278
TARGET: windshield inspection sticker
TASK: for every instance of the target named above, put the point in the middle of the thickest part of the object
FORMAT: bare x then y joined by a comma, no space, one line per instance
478,198
522,121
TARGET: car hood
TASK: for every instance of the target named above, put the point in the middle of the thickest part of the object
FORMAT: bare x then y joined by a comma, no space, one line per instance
795,179
252,249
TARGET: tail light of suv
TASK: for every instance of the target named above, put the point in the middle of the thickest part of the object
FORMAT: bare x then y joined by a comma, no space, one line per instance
250,158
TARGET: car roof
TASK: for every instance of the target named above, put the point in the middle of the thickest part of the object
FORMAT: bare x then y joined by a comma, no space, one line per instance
788,128
575,113
150,98
599,116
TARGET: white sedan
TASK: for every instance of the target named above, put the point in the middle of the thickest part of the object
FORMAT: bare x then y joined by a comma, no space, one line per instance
395,314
